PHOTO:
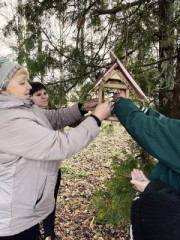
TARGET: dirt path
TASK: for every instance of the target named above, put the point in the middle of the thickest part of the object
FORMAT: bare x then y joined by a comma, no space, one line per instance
82,175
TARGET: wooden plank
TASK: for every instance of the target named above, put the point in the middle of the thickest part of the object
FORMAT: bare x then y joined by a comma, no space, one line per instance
115,86
105,79
115,76
112,118
102,79
128,85
109,75
127,93
100,96
137,90
113,57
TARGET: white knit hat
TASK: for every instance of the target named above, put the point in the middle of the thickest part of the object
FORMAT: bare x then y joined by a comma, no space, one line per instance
7,71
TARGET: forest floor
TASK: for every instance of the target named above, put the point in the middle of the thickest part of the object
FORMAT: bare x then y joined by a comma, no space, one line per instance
82,175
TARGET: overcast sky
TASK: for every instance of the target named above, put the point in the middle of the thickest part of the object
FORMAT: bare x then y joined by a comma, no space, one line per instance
6,13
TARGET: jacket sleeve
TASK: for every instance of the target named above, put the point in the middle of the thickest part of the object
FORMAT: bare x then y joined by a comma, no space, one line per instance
158,135
151,112
22,136
63,117
155,185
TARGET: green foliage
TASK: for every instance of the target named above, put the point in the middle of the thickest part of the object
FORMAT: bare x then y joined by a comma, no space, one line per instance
107,127
57,96
113,203
69,172
67,52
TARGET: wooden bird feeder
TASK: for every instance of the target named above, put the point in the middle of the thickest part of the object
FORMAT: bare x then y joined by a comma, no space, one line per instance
117,77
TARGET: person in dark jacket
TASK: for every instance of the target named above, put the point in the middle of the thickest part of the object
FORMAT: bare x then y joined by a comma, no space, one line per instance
155,213
40,97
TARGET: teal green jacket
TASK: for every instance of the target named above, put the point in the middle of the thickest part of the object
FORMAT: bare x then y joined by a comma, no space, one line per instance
158,135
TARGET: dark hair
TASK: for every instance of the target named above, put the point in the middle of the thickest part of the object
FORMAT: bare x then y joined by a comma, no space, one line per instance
36,86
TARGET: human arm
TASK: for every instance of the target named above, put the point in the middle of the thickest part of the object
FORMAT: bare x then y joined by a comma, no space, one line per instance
159,137
63,116
28,134
147,111
24,137
66,116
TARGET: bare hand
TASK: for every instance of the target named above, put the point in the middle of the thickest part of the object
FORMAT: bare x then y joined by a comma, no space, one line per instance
103,110
139,180
91,104
122,93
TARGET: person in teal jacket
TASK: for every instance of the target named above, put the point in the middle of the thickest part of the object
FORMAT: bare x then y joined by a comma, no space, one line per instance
159,136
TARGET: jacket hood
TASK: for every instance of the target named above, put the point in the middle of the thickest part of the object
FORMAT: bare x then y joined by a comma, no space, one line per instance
8,102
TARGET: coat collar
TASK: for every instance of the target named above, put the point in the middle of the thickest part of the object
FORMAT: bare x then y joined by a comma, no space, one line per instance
8,101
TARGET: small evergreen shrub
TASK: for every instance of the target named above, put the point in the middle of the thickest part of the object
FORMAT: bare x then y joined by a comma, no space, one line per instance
113,203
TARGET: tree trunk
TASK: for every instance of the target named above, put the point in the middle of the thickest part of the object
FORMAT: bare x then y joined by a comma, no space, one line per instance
166,47
39,57
175,110
20,27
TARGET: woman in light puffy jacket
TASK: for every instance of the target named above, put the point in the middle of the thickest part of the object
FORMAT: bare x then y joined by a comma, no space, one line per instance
31,148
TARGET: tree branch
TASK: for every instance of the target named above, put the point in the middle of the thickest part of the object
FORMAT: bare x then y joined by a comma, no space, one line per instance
98,12
160,61
63,55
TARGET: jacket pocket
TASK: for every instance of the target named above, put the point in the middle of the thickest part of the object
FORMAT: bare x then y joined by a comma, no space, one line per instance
45,192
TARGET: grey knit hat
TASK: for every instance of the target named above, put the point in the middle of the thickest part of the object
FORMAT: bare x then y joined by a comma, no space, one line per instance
7,71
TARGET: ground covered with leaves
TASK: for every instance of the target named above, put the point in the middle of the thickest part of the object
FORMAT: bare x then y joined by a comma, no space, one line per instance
82,175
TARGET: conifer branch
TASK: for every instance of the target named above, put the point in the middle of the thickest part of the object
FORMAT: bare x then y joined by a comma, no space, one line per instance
98,12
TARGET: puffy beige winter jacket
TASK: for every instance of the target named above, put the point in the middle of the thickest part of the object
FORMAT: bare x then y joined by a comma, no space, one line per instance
30,150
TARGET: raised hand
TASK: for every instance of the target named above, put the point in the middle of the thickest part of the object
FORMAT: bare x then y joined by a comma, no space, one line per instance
103,110
139,180
122,93
91,104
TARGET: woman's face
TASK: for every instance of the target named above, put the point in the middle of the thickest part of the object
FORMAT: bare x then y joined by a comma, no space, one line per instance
40,98
18,86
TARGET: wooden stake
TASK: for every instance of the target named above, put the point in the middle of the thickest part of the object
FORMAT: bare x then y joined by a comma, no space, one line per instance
100,96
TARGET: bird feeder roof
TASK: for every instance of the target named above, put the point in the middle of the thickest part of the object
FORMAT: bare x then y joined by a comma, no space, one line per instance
118,71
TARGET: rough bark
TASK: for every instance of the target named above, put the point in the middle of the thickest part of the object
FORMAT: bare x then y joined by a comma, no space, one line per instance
20,28
175,110
165,49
